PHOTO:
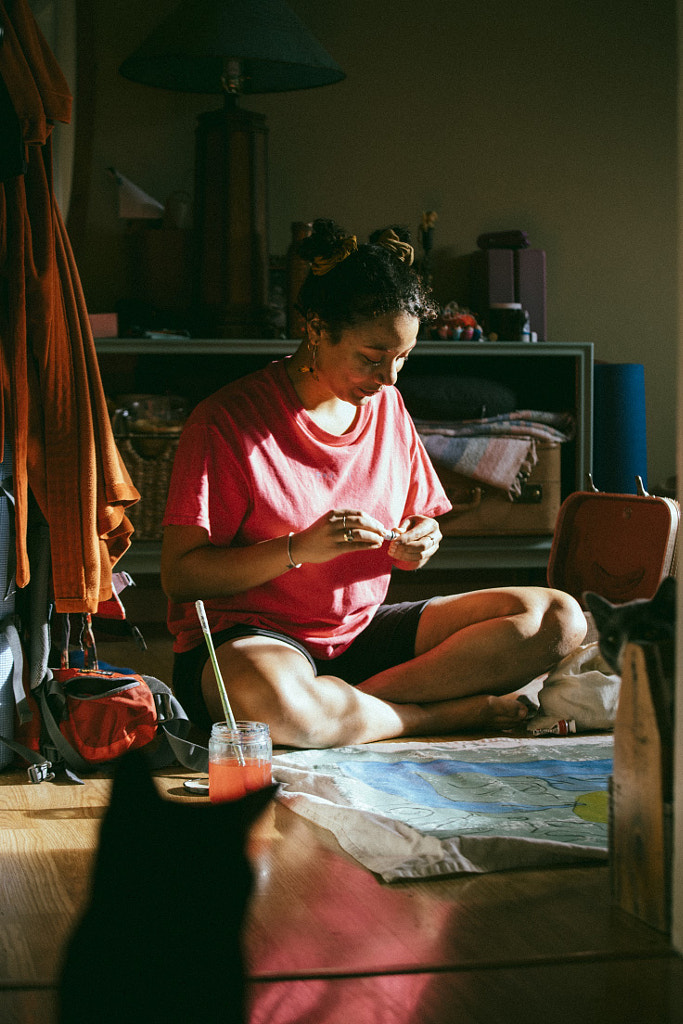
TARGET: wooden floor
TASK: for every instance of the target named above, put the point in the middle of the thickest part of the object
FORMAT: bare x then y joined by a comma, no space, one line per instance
330,944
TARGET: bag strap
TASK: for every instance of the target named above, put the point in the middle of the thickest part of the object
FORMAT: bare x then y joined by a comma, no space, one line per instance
64,639
11,632
7,489
191,755
86,641
175,725
111,617
37,611
65,752
40,769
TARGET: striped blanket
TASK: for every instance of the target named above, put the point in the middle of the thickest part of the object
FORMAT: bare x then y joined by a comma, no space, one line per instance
500,450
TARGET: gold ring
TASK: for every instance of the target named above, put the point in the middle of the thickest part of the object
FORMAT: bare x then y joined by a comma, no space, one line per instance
344,521
348,536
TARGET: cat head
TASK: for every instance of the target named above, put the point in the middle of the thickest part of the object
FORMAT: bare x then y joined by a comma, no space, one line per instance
640,621
662,605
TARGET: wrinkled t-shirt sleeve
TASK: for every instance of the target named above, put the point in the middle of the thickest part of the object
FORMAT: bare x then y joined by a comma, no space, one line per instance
208,485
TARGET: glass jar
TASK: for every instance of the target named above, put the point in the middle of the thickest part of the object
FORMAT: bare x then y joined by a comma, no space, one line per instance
240,760
506,321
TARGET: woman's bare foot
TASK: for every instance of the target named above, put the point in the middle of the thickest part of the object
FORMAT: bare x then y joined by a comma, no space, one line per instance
479,712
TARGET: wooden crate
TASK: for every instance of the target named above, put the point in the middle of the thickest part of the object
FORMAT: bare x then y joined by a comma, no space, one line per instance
641,792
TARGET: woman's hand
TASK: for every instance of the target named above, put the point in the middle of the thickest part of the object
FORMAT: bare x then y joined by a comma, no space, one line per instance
336,533
419,539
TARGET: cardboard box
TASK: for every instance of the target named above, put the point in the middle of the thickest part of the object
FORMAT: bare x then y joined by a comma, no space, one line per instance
104,325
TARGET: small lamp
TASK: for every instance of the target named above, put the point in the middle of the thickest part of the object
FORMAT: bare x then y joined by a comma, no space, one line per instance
233,48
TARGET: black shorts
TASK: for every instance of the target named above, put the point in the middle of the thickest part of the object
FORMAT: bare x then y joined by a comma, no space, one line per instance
388,640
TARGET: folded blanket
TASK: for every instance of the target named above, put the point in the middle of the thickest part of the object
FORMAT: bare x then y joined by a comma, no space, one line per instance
545,426
499,451
496,461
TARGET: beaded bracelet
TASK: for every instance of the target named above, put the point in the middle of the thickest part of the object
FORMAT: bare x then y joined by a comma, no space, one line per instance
292,563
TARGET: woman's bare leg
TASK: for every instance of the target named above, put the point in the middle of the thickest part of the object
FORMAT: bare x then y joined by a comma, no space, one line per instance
268,680
488,641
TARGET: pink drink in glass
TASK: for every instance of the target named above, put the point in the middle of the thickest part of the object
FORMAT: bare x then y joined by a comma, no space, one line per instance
240,759
230,780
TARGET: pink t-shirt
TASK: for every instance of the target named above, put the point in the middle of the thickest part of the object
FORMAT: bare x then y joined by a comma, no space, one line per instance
253,465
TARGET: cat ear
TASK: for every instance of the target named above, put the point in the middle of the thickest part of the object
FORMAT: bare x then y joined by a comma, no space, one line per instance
599,607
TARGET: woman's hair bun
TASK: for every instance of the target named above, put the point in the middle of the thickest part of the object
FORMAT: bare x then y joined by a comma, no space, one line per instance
324,240
400,230
351,283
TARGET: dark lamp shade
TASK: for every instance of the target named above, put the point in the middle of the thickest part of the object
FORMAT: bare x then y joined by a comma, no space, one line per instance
189,49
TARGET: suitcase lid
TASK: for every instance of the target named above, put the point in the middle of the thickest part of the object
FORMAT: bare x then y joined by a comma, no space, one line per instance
620,546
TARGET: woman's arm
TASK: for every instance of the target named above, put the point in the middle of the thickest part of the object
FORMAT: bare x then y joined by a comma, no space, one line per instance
192,567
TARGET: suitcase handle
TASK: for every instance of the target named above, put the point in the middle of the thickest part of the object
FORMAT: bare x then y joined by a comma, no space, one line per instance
640,486
469,506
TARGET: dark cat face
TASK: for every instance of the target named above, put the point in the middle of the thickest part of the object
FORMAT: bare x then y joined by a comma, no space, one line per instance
161,937
642,621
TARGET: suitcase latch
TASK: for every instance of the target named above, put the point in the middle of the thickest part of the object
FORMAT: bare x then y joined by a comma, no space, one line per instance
531,494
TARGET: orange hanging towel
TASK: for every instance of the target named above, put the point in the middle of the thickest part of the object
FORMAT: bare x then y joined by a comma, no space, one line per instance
52,397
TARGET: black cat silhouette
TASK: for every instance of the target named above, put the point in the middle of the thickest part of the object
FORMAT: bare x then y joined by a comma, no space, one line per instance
160,939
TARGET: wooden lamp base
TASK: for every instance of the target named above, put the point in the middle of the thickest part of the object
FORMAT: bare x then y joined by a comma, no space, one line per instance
231,224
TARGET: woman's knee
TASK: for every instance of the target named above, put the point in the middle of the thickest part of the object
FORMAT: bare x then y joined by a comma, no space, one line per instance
563,622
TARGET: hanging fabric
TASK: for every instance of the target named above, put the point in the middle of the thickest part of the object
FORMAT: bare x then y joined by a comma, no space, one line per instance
52,395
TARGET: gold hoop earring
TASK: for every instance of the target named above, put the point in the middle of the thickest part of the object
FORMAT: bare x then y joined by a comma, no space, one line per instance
313,366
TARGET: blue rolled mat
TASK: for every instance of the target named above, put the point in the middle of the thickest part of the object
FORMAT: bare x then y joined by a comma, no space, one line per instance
619,427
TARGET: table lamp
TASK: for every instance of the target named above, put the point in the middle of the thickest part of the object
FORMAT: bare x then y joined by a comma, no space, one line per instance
231,48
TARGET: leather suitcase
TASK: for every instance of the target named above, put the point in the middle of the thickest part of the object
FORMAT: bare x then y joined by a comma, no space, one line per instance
484,511
620,546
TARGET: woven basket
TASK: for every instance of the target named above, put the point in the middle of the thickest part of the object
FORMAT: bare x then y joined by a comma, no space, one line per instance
149,460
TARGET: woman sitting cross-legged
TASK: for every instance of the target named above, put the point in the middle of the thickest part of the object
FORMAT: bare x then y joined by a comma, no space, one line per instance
294,493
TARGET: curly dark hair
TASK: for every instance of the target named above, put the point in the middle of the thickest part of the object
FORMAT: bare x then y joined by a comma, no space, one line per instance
370,282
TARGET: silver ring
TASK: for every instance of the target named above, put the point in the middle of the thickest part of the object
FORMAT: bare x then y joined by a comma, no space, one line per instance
348,536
